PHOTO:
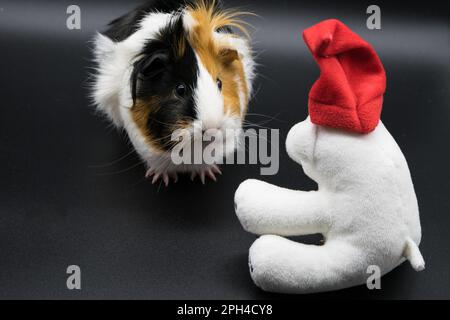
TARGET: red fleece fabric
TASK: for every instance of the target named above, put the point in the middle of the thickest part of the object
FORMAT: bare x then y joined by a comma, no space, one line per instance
349,92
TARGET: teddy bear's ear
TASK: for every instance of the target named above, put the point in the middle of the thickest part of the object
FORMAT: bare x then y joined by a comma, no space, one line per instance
301,141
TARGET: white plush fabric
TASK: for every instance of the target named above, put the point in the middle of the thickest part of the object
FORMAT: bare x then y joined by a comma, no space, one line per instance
365,207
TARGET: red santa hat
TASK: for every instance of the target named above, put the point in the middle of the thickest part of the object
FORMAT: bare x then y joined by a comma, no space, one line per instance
349,92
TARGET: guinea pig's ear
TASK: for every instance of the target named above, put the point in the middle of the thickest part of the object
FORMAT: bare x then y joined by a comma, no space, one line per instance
148,68
153,65
104,47
228,55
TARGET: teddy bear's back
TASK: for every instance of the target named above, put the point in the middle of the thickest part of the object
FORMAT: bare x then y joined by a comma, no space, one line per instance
371,194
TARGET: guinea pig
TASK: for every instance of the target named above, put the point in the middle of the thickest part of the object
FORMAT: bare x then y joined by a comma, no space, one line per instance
170,65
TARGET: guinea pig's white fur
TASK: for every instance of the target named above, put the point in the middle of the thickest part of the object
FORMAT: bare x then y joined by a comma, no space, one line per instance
365,207
112,92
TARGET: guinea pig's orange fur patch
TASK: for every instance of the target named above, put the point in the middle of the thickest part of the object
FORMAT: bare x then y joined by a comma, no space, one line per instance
140,112
221,62
180,47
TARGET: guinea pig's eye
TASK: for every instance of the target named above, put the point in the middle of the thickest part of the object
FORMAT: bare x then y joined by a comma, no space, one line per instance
181,90
219,84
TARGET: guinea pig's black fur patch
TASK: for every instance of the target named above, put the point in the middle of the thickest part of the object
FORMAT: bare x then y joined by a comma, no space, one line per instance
157,75
123,27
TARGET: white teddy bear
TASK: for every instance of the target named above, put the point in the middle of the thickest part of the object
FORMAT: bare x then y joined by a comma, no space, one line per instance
365,206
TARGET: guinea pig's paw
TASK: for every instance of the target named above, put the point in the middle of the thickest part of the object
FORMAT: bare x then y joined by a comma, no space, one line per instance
204,172
164,176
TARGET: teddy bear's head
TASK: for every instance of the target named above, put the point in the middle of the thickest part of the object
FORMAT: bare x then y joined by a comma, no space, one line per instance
334,157
300,145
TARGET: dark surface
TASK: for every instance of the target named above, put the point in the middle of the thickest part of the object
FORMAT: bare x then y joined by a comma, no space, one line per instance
71,192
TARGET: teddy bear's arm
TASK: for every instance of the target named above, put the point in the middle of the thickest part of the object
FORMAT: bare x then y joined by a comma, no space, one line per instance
263,208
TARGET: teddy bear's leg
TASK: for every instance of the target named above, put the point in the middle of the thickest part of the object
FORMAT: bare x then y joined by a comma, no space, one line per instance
263,208
281,265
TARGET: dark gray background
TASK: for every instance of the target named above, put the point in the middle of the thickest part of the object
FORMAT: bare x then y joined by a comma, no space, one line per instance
72,193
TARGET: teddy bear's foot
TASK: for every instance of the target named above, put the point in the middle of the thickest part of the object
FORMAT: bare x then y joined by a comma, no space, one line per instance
284,266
